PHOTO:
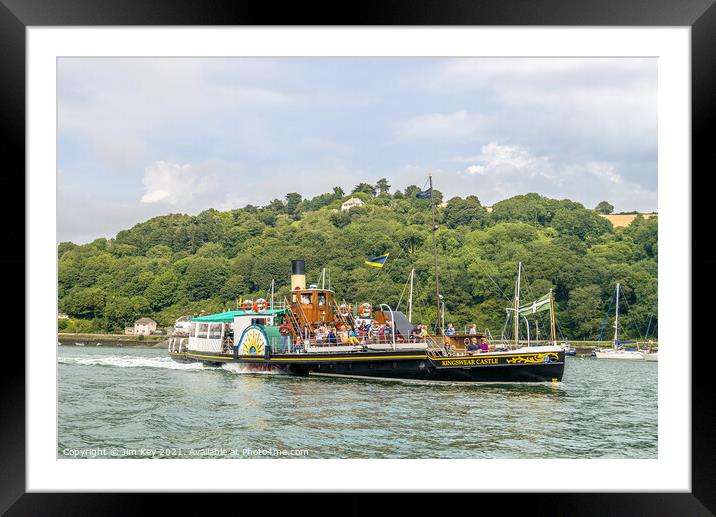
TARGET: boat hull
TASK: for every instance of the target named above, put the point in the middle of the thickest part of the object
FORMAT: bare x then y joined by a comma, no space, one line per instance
405,365
618,355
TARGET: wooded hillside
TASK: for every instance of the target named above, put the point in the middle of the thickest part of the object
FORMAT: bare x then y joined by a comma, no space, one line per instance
179,264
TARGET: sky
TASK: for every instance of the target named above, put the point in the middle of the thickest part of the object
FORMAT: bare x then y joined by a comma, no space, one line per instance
141,137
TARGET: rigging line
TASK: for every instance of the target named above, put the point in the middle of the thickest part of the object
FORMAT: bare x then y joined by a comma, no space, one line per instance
402,293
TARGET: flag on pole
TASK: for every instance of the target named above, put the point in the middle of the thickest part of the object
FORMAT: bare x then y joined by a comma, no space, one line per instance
377,261
425,194
539,305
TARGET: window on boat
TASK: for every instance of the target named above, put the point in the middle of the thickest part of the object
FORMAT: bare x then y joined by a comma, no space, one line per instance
322,299
258,321
203,330
215,331
306,299
192,328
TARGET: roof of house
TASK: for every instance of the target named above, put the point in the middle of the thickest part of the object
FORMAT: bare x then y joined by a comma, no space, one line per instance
353,199
144,320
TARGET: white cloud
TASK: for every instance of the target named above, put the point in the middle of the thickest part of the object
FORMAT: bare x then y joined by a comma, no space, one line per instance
459,125
171,183
502,171
504,159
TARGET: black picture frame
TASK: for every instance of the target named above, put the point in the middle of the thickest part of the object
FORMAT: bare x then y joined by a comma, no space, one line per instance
699,15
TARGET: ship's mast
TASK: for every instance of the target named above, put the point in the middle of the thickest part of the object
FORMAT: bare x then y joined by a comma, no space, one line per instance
517,304
410,298
435,253
551,316
616,321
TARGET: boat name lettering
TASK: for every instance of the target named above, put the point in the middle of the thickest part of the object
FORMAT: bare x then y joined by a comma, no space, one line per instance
468,362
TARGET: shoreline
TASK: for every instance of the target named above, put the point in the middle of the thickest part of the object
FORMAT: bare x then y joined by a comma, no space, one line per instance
112,340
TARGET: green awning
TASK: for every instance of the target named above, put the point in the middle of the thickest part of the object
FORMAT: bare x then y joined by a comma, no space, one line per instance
226,317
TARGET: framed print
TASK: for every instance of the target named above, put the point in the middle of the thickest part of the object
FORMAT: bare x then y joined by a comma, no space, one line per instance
412,251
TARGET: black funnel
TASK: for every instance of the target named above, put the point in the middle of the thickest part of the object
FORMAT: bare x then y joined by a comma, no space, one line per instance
298,267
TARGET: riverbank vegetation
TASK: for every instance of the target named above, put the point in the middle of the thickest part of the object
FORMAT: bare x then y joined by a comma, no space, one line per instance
178,264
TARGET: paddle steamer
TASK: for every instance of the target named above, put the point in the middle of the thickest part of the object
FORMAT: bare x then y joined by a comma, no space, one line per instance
284,336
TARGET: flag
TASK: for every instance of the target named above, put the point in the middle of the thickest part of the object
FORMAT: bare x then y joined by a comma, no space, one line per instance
377,261
542,304
425,194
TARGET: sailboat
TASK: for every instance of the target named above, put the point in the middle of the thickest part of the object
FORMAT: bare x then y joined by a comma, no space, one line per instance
617,351
518,312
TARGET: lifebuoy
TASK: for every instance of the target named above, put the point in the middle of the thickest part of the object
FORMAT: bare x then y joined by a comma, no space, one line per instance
247,305
260,305
345,309
366,310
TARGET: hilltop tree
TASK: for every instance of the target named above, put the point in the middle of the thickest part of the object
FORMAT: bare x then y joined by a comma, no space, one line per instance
293,200
364,187
383,186
604,208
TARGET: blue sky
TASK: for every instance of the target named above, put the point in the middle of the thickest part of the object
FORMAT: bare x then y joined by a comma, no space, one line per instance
140,137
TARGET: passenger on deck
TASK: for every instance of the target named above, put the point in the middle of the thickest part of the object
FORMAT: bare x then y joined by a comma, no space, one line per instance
473,347
423,331
319,336
332,338
388,329
298,345
285,332
415,333
484,346
353,338
472,329
450,330
305,333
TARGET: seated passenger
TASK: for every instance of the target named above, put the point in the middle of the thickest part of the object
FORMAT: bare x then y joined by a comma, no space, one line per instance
472,329
415,333
423,330
353,338
473,347
450,330
484,346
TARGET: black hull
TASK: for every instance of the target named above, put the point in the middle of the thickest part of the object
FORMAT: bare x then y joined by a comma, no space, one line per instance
412,366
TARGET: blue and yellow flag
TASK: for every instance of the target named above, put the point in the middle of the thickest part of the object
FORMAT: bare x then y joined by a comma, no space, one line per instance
377,261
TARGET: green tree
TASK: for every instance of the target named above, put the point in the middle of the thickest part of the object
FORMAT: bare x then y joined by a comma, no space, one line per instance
604,208
465,212
383,186
364,187
204,277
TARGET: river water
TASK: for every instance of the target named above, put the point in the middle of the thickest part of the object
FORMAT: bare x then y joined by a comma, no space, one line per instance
120,402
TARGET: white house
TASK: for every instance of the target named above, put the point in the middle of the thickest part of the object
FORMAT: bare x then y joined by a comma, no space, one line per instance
181,325
145,326
354,201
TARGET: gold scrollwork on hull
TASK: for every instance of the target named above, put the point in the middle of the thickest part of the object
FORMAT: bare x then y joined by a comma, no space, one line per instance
534,358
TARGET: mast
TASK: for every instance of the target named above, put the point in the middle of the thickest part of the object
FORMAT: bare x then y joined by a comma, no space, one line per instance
517,304
435,251
410,298
273,281
551,316
616,321
323,281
